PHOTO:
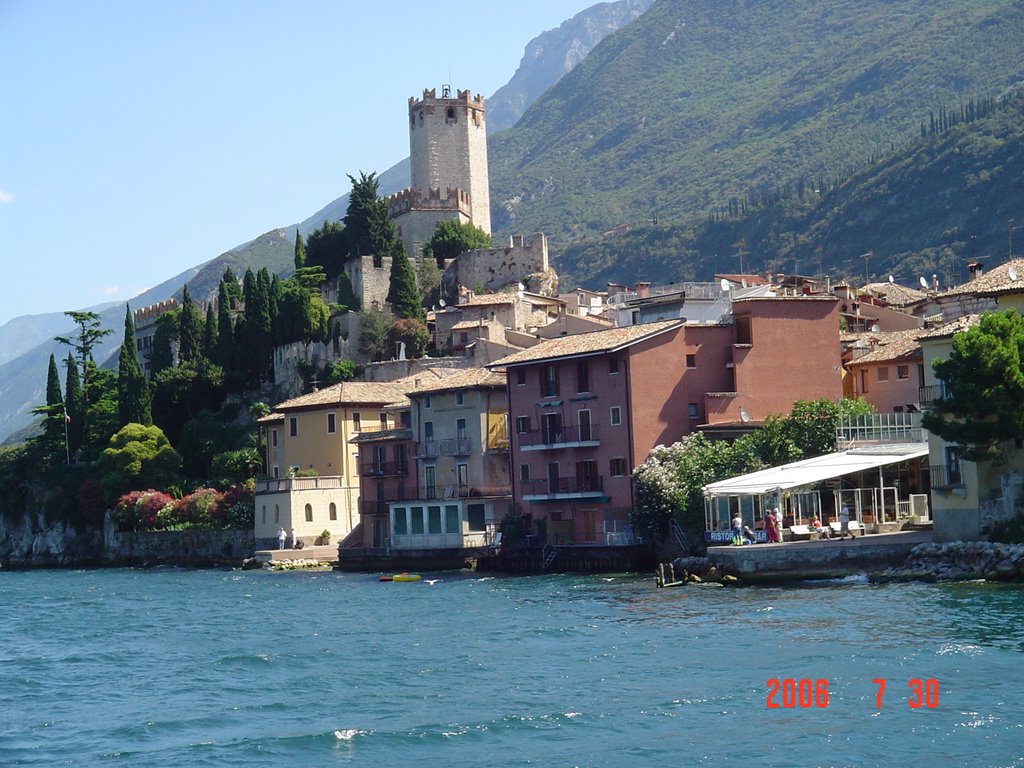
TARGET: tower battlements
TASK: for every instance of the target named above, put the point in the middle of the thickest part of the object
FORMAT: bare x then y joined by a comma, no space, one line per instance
452,199
430,99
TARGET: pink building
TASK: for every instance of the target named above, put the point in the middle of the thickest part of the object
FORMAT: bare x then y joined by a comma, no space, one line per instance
585,410
887,370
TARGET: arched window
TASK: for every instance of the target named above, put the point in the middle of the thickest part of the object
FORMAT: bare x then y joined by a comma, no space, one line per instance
264,514
333,511
309,513
277,514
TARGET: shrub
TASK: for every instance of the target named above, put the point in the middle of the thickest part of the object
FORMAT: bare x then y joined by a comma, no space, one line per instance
142,510
197,510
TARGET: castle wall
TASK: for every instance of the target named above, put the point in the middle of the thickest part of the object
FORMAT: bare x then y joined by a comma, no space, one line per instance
370,283
416,227
493,269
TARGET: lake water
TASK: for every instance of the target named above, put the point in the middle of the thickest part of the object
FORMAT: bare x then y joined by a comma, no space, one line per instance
211,668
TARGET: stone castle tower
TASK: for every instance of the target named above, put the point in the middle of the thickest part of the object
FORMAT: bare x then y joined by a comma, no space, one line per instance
448,155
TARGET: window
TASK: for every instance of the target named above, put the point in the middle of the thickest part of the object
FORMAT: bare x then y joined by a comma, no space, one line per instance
428,431
476,518
293,426
693,412
309,513
330,423
902,371
617,467
524,472
586,475
276,471
332,511
401,454
463,338
264,514
277,514
744,334
582,376
520,376
380,458
549,381
615,415
522,425
551,428
459,399
613,365
691,361
401,524
433,519
416,521
883,373
426,401
463,476
273,437
863,380
460,429
953,465
357,421
451,518
383,420
586,433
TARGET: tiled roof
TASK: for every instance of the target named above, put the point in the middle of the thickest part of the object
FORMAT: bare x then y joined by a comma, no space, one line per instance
588,343
467,325
892,346
464,379
809,297
994,282
894,294
270,418
950,328
488,298
346,393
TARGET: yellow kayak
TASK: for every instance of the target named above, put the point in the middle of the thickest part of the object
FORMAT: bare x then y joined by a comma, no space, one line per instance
406,577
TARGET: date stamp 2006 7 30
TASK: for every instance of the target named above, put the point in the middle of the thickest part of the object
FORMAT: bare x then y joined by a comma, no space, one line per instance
790,693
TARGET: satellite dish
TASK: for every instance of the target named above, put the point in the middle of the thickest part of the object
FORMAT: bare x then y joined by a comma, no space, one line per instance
1012,272
892,279
522,287
744,415
725,285
443,303
924,283
434,308
875,328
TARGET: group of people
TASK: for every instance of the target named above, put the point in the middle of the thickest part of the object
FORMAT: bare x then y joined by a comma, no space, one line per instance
282,539
773,527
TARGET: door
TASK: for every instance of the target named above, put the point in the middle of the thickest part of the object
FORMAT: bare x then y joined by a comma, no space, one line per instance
590,525
585,426
430,482
553,477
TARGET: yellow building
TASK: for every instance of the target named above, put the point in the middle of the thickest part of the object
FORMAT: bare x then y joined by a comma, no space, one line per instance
314,479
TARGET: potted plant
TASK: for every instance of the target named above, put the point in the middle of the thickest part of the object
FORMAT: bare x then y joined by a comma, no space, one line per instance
325,537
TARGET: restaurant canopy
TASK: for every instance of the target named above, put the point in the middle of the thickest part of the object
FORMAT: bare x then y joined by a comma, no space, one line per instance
807,472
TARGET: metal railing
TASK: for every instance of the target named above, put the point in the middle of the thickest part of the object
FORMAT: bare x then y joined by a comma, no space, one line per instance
287,484
385,468
552,486
561,435
442,492
947,476
880,428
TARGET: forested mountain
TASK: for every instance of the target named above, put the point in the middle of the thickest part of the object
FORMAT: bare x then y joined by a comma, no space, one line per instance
698,101
927,207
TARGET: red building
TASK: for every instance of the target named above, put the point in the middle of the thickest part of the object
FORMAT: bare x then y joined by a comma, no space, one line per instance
585,410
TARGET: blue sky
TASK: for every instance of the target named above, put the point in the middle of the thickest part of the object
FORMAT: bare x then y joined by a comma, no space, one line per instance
139,138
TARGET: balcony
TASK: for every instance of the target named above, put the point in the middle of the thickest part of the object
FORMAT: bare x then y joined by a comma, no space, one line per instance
926,396
562,488
289,484
428,449
373,507
442,492
879,428
947,476
564,436
385,469
457,446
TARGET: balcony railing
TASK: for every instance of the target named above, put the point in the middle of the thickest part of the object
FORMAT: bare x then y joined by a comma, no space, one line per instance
385,468
579,486
926,396
880,428
564,436
288,484
455,446
442,492
373,507
947,476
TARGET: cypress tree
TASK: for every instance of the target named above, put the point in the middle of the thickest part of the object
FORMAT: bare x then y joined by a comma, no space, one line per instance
225,355
162,356
210,334
53,428
73,405
190,330
300,251
132,391
402,293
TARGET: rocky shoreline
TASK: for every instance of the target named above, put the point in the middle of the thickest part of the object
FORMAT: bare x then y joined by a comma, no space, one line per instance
959,561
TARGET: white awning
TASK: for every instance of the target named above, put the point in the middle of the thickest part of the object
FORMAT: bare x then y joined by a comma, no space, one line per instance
809,471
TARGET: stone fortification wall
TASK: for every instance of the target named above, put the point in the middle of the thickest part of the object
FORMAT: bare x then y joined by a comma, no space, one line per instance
448,148
370,283
416,227
390,370
179,547
523,260
287,357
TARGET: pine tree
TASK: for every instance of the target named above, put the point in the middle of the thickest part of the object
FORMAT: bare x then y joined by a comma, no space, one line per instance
132,390
402,293
368,225
190,330
300,251
73,405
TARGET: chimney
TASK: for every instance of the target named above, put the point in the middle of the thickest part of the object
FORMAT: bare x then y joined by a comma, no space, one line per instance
643,290
976,268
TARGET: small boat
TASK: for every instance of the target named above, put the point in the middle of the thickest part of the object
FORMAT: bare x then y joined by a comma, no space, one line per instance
385,578
406,577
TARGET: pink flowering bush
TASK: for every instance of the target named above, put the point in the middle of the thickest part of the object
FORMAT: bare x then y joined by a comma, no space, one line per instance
141,510
197,510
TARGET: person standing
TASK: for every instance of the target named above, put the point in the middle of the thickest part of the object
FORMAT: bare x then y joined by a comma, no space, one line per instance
282,537
844,522
737,529
778,523
295,541
770,529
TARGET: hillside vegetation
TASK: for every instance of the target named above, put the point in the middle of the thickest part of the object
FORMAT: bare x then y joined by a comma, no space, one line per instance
924,209
700,101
